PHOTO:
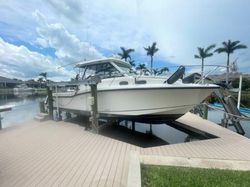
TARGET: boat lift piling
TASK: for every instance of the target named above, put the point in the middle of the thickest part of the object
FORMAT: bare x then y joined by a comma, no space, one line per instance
92,82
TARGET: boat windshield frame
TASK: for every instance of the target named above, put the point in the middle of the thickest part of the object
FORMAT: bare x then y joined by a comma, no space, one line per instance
125,69
105,70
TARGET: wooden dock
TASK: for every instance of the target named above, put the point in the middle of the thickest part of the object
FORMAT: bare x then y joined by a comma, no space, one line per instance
64,154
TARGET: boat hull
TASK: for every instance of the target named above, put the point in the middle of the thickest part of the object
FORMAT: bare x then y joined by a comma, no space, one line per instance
141,103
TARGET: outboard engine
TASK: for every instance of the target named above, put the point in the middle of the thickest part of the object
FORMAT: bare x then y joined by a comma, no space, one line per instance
176,75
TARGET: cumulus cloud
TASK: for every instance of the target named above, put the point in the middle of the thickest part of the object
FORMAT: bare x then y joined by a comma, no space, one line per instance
69,48
72,9
75,27
20,62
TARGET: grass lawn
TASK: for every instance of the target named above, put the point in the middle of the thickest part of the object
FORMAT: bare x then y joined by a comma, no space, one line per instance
158,176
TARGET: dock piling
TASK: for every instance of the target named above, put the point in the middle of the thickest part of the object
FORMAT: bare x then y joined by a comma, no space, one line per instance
93,81
205,111
50,102
0,121
42,108
133,126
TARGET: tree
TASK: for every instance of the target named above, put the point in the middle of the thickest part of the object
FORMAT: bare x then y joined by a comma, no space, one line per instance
40,80
44,75
125,54
202,54
163,70
141,67
151,50
229,47
245,83
155,71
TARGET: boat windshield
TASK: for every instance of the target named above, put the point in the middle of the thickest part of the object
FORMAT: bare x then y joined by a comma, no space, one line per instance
104,70
126,69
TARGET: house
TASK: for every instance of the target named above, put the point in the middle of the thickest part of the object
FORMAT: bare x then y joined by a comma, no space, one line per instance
9,83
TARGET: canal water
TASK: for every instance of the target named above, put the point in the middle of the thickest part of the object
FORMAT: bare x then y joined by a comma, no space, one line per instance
25,108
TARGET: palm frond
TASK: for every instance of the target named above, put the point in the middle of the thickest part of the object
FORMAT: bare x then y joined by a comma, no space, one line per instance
154,45
123,49
197,56
226,44
241,46
155,50
130,50
209,48
141,67
120,54
235,43
208,55
221,50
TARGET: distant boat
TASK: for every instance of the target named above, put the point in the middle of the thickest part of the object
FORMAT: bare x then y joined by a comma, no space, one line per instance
23,89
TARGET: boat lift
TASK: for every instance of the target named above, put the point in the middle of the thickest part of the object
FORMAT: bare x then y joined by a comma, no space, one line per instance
232,113
92,81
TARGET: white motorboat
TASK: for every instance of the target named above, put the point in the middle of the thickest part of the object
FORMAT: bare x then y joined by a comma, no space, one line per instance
123,93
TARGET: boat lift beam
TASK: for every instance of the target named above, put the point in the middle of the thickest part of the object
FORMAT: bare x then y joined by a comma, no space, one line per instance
230,107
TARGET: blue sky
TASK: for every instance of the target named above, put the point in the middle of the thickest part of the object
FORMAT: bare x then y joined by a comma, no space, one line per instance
38,36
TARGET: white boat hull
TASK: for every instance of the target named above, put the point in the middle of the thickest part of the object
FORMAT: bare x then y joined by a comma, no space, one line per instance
162,101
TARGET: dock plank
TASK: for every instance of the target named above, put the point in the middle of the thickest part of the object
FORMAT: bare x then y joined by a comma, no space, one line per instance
64,154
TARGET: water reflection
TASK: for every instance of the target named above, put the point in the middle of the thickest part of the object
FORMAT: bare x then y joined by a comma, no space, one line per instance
216,116
24,108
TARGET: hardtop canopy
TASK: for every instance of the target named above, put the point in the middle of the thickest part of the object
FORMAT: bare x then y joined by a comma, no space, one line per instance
100,61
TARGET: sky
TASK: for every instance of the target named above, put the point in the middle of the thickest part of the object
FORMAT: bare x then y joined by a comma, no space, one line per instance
45,36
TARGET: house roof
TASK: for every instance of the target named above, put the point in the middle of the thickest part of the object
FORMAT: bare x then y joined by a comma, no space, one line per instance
8,80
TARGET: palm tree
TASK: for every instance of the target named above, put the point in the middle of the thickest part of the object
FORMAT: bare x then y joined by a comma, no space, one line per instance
44,75
229,47
156,71
162,70
202,54
151,50
40,80
125,53
141,67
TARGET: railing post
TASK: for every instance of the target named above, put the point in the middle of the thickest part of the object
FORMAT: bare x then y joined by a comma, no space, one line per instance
239,93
